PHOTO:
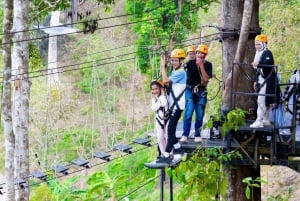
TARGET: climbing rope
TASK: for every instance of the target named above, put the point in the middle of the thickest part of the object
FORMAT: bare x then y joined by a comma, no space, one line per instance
219,88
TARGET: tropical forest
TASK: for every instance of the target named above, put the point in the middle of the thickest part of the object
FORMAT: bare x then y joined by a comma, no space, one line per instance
76,118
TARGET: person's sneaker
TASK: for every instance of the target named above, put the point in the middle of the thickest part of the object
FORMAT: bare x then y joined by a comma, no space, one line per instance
178,153
183,139
158,158
257,124
266,123
198,139
164,159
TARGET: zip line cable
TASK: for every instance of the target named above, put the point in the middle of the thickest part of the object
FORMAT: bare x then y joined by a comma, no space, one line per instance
93,53
139,187
111,26
92,166
129,45
82,31
76,64
70,65
73,69
107,57
70,24
200,37
218,91
157,41
79,170
92,20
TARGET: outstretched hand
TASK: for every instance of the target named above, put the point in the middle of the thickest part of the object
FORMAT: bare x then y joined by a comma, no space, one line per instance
163,66
163,60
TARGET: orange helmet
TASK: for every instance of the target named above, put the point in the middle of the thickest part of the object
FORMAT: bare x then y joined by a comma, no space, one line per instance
261,38
156,82
178,53
191,48
202,48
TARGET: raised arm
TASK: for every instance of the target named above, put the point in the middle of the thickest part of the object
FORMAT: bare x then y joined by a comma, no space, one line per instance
200,64
163,66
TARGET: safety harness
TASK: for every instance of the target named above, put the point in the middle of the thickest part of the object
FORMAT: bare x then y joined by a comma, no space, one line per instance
168,112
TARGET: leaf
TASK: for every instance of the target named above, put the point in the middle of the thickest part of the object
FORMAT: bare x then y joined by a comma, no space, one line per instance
247,192
255,185
247,180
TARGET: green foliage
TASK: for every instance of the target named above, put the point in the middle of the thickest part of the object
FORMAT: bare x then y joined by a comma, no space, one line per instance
121,176
251,184
66,191
202,176
42,193
41,8
35,60
164,15
101,184
55,190
107,3
280,197
234,119
70,143
94,78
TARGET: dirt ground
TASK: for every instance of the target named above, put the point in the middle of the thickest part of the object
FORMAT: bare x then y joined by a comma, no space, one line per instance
281,181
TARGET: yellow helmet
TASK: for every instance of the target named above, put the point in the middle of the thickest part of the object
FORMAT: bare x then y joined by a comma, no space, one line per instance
202,48
178,53
262,38
191,48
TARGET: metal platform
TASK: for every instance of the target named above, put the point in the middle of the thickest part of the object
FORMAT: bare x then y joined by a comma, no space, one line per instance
259,146
154,165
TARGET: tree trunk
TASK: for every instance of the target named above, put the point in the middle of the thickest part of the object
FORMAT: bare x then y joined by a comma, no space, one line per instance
6,102
22,84
53,78
239,17
236,190
232,15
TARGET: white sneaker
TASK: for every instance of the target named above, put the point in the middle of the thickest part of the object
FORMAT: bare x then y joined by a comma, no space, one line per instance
266,123
183,139
257,124
198,139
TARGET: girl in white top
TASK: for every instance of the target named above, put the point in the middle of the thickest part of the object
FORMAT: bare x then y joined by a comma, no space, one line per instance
160,106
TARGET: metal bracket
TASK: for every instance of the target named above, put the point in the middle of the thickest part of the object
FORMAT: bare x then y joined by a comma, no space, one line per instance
102,155
124,148
142,141
81,162
226,33
40,175
61,169
20,182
